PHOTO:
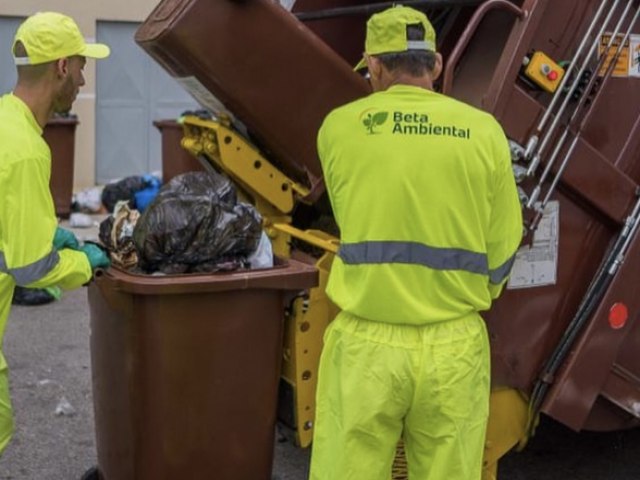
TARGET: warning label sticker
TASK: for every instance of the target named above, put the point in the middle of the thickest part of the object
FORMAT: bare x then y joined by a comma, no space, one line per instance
536,264
627,56
634,59
621,68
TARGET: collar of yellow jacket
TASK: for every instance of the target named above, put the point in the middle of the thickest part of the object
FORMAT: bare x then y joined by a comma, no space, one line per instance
24,108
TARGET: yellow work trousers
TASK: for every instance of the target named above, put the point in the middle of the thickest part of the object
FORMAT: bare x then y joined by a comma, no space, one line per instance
6,414
378,382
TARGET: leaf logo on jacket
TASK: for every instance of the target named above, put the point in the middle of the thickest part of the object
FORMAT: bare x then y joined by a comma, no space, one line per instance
373,119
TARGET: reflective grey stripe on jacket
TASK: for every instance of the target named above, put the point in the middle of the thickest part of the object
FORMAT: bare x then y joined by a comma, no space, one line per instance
419,254
33,272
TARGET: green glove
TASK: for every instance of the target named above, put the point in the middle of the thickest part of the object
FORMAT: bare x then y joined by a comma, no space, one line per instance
64,238
55,292
97,257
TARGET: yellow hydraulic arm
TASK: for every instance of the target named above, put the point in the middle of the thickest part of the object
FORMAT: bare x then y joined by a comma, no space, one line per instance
274,195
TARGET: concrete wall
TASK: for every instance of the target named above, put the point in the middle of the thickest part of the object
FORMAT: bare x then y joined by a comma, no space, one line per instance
86,13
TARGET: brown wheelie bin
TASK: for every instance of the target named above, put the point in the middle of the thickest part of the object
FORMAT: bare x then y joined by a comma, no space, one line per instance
270,71
60,135
186,370
175,159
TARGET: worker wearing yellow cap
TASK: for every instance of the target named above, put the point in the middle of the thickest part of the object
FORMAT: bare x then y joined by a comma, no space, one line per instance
423,192
50,53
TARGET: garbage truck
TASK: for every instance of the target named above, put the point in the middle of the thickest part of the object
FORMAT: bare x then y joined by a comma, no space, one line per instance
563,79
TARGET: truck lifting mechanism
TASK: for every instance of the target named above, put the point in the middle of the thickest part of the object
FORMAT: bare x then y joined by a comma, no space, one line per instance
563,79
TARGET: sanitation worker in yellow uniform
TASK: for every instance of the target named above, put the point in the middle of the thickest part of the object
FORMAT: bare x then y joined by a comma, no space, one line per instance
49,52
423,192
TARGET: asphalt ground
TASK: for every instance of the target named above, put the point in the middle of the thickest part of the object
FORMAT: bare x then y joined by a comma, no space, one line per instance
47,348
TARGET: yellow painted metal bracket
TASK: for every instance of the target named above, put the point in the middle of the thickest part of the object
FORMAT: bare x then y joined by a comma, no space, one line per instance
312,237
235,155
507,427
303,345
304,330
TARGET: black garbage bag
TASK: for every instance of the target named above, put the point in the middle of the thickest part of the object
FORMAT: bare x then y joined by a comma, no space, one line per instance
195,224
124,189
31,296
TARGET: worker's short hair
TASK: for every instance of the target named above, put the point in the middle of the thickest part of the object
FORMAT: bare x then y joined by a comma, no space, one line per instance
19,50
413,62
28,72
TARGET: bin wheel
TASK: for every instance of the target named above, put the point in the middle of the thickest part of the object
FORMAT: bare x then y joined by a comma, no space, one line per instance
91,474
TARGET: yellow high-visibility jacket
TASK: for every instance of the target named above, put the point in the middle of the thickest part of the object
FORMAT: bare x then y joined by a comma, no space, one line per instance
423,192
27,222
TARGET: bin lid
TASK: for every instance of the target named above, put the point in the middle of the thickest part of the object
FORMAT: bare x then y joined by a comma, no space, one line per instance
266,68
285,275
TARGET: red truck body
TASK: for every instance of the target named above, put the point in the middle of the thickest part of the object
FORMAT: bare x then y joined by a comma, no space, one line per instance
566,332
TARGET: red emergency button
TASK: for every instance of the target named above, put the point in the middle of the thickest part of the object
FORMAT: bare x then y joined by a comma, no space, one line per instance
552,75
618,315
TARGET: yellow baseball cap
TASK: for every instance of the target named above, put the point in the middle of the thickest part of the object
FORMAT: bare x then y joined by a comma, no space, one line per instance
387,33
48,36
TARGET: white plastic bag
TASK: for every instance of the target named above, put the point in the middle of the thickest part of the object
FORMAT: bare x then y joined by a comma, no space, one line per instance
263,256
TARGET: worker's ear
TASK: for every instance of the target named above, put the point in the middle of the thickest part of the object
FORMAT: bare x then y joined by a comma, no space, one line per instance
374,65
437,68
62,67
